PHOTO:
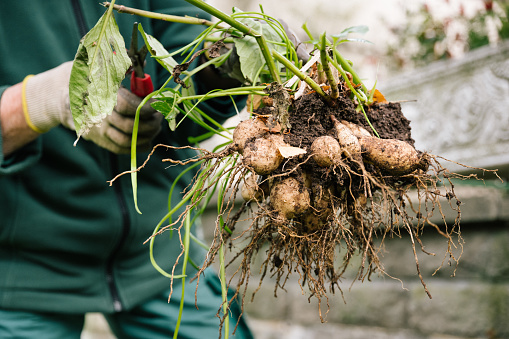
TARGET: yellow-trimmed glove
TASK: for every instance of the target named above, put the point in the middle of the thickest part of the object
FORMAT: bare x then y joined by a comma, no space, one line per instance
46,105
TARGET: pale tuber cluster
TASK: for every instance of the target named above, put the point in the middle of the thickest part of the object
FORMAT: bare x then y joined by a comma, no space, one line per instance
294,196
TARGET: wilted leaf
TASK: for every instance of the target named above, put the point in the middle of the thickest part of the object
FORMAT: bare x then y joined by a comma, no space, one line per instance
99,67
290,151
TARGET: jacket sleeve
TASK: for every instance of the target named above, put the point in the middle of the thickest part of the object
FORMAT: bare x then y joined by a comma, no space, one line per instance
24,157
175,36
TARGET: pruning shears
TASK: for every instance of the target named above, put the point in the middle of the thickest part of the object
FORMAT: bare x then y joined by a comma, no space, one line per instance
141,83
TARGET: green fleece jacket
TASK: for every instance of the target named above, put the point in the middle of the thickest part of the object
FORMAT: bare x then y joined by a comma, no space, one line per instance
68,241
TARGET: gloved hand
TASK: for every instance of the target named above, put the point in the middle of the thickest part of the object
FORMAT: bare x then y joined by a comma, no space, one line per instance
115,132
46,105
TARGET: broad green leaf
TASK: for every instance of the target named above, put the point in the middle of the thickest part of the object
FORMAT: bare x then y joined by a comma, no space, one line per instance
99,67
250,56
156,49
362,29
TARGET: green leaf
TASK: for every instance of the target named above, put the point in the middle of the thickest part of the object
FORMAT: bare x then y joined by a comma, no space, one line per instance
156,49
169,110
99,67
336,42
362,29
250,55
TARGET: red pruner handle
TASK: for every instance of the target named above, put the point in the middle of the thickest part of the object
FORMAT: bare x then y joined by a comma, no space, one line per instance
141,86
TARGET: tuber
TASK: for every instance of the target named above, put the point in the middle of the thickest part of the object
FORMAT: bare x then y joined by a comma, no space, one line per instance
325,150
252,190
246,130
391,155
357,130
262,156
319,215
289,198
347,140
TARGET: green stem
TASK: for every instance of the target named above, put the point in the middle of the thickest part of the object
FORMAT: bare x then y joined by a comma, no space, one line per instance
347,67
361,99
302,76
134,166
158,16
369,122
347,81
224,291
308,32
199,242
184,265
156,230
325,64
223,93
260,39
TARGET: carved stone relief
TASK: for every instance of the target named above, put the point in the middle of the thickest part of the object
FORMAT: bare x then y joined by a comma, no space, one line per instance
461,107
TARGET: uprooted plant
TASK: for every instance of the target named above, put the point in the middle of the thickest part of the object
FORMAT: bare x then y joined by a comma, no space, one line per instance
325,165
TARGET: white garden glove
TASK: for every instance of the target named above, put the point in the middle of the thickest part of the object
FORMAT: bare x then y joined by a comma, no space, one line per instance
46,105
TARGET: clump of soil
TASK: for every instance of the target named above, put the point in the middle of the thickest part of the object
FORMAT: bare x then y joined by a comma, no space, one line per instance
351,203
311,219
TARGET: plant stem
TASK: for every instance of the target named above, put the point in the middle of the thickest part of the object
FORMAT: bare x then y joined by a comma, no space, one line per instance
302,76
347,81
159,16
325,64
219,94
347,67
260,39
184,266
361,99
156,230
224,291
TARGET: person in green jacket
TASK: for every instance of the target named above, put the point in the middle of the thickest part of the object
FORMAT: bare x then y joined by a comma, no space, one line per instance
70,243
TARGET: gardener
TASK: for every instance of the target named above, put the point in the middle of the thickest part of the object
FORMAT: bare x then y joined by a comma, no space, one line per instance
70,243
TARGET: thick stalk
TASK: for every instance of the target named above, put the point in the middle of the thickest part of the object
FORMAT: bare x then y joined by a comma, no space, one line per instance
347,67
341,71
302,76
159,16
260,39
325,64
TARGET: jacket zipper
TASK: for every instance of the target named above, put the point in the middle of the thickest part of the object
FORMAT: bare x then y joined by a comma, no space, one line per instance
126,223
80,19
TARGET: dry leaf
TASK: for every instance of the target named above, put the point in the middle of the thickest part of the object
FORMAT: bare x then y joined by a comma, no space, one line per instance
379,97
253,102
289,151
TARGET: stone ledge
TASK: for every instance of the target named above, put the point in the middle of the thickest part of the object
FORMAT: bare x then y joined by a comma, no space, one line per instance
267,329
457,308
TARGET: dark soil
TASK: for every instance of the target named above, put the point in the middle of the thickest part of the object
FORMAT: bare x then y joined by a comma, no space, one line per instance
311,119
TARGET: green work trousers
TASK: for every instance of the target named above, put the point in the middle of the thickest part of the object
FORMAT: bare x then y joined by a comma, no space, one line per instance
154,319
